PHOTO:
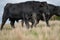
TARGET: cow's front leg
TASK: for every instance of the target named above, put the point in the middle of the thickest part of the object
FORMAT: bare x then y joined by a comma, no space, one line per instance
47,23
34,24
46,19
27,24
3,22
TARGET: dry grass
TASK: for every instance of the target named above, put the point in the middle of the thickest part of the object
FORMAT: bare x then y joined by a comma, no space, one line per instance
41,32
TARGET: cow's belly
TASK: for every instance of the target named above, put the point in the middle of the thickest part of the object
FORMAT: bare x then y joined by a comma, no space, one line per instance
15,16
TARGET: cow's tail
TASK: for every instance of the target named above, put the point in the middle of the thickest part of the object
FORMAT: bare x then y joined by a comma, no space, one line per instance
4,17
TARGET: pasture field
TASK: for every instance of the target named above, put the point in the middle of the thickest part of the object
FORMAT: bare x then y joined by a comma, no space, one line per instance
41,32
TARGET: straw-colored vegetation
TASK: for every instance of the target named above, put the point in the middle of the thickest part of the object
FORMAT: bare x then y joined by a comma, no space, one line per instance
41,32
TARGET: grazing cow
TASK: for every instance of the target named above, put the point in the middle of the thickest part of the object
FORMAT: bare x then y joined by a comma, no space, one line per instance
44,11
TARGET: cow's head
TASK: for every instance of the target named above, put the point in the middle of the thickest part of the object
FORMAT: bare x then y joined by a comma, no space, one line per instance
57,11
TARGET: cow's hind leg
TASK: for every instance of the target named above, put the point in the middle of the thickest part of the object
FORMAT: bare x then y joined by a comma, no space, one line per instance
47,23
12,23
4,19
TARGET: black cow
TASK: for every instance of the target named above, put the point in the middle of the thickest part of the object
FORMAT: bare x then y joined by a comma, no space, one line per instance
44,11
41,11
